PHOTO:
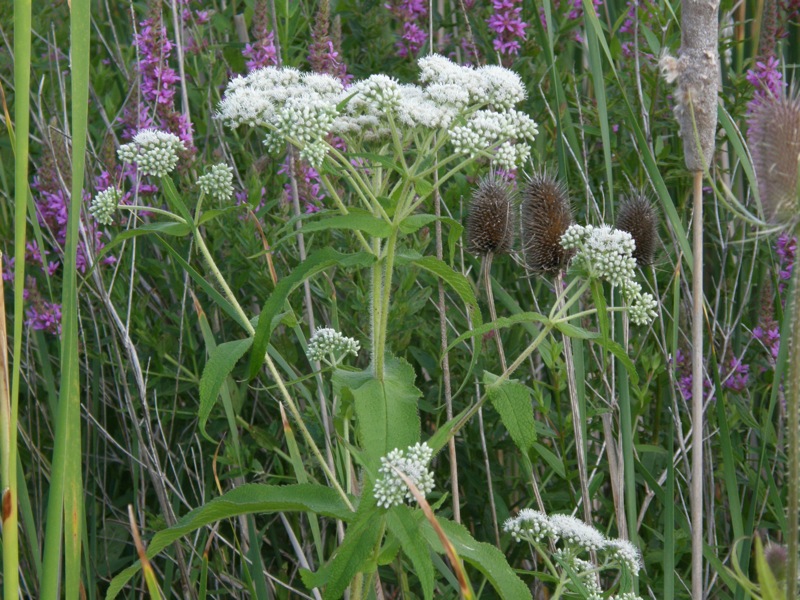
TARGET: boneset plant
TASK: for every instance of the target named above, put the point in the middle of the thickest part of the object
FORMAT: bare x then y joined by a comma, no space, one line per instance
382,150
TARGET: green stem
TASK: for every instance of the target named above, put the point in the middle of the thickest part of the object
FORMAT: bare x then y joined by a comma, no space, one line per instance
343,209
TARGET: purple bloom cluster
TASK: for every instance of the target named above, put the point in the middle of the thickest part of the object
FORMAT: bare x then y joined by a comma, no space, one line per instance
192,20
309,187
785,248
410,13
642,11
734,376
770,336
157,87
323,55
766,80
508,25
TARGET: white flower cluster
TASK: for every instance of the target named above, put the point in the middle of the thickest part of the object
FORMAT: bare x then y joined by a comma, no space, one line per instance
104,205
330,346
304,108
585,571
154,152
534,526
626,596
390,489
294,106
607,253
505,132
217,182
529,524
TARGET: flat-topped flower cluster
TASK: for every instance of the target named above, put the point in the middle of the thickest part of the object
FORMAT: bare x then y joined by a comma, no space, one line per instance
574,537
390,489
473,106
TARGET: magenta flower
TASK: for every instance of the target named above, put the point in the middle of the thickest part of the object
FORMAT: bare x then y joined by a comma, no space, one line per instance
508,25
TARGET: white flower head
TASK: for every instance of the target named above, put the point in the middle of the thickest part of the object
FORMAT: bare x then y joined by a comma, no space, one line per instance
382,91
501,87
154,152
390,489
530,525
505,131
607,253
626,554
217,182
330,346
577,533
104,205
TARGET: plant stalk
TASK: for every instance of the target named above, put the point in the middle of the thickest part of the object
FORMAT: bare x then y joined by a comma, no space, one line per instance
697,390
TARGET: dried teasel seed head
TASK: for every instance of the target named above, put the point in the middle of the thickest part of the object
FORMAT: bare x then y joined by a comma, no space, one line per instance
546,214
637,216
490,222
774,140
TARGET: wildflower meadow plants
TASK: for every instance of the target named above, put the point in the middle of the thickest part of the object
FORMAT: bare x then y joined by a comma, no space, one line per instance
392,299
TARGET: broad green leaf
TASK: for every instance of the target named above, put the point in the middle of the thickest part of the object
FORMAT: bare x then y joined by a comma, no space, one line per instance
512,400
484,557
357,220
404,523
220,363
417,222
386,411
576,332
319,261
423,187
246,499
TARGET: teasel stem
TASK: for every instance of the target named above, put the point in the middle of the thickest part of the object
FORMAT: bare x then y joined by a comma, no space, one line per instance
697,390
577,417
448,391
487,281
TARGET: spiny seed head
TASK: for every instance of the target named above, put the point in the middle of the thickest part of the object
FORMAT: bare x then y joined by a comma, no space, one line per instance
490,222
774,137
546,215
637,216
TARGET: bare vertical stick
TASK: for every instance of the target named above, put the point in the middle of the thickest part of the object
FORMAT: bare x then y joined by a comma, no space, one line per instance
793,449
697,390
448,392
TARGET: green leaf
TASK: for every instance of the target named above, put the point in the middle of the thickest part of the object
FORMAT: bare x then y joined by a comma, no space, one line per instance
317,262
174,199
220,364
551,459
404,523
500,323
246,499
357,220
355,553
512,401
461,286
484,557
617,350
212,214
423,187
166,227
574,331
770,590
386,411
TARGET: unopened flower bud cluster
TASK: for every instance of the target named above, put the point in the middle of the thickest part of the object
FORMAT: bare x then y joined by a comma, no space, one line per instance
104,205
607,253
390,489
217,182
575,537
330,346
472,105
154,152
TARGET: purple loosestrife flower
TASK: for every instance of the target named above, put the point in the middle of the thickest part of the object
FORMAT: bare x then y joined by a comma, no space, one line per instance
766,80
262,52
507,25
323,54
309,186
785,248
410,13
156,80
